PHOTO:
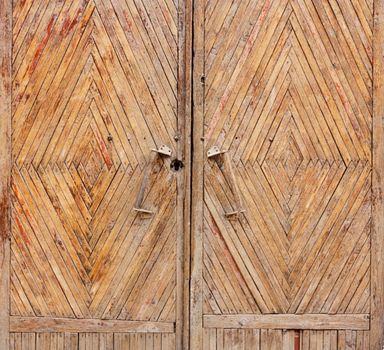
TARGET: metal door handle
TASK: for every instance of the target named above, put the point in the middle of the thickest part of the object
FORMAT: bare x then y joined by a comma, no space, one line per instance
231,178
161,151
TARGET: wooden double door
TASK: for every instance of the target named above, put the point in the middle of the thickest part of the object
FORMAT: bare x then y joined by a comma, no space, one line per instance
179,174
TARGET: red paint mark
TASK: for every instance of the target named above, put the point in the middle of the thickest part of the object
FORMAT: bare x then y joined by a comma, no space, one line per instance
264,11
21,201
260,21
76,19
106,156
5,74
68,25
41,46
4,216
223,102
297,340
22,231
64,28
104,151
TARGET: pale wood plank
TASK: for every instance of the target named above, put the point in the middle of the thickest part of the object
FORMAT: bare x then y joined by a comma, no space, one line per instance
196,289
288,321
377,266
47,324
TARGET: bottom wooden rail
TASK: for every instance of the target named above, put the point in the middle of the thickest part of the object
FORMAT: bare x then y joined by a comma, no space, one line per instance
290,321
49,324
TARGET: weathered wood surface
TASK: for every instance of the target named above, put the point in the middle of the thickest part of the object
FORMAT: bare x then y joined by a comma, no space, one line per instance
377,270
293,88
288,90
96,85
286,321
5,165
92,341
72,325
255,339
184,152
197,198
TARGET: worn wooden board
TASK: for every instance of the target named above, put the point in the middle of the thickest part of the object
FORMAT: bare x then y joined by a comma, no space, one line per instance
377,272
5,165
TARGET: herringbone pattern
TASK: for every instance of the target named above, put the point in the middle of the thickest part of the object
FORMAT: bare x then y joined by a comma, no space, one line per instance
289,93
94,90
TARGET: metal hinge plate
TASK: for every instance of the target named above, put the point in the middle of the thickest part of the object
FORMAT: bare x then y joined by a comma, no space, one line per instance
214,151
164,150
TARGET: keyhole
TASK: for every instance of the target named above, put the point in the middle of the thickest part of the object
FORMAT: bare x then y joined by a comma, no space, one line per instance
177,164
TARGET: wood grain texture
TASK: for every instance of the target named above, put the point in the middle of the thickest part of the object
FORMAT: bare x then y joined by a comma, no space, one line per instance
285,321
92,341
196,270
288,91
298,130
377,302
292,88
184,150
256,339
95,89
97,85
57,325
5,165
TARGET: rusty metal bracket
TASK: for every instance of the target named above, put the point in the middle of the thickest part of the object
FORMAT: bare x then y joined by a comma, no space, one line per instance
163,150
231,178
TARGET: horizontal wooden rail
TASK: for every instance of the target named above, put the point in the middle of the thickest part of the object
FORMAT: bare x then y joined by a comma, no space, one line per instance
48,324
289,321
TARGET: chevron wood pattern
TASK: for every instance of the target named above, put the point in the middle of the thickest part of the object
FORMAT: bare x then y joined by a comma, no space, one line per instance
94,89
299,131
288,92
290,89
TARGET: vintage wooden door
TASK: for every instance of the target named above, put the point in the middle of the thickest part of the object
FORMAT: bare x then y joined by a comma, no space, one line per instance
258,225
90,88
287,232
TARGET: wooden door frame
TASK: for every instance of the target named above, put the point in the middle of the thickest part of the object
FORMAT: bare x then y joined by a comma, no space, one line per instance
377,240
198,156
5,165
184,149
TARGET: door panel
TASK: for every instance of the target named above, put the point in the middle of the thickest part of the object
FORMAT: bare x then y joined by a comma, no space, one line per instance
286,199
286,89
94,90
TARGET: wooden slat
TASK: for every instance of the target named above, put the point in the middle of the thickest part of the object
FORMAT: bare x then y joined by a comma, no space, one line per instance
288,321
377,267
197,178
47,324
184,152
5,166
